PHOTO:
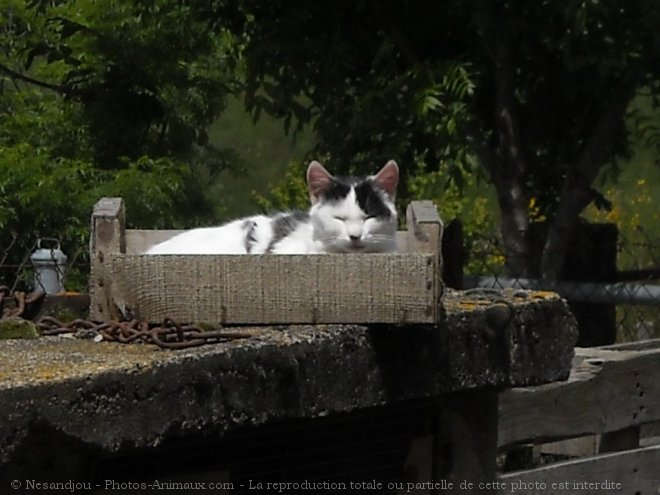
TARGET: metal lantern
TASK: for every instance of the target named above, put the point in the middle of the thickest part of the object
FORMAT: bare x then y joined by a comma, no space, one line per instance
49,264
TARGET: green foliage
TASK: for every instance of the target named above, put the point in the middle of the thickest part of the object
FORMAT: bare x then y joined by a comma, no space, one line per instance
156,191
107,99
289,193
42,196
470,204
466,202
265,154
158,72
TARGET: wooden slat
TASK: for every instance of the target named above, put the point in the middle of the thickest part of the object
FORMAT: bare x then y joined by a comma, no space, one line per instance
108,235
425,236
347,288
635,471
424,227
138,241
638,345
609,390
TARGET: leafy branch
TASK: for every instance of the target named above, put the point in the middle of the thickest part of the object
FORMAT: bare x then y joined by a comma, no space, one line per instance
58,88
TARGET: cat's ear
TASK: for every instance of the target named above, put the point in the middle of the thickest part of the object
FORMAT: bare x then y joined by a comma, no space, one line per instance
319,181
388,178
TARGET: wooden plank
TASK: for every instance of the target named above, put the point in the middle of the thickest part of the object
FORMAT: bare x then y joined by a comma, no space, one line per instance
639,345
649,434
629,472
108,235
347,288
606,392
138,241
424,227
572,447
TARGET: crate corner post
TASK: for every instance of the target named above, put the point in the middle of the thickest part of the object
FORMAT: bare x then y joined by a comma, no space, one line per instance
424,227
108,236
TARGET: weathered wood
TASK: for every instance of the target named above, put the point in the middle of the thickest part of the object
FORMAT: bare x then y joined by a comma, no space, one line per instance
425,236
649,434
639,345
108,235
347,288
466,438
631,471
607,391
424,227
138,240
571,447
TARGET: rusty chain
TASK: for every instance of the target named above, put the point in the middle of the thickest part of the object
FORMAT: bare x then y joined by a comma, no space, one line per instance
21,299
169,335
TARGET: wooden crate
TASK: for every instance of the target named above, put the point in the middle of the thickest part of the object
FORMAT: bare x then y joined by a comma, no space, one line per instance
263,289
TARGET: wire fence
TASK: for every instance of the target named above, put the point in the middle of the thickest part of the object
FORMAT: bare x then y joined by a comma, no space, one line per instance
611,280
17,267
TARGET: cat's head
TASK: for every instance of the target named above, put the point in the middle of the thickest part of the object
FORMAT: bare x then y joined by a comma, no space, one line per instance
354,214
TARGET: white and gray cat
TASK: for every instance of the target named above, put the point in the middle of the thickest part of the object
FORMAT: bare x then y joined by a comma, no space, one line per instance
347,215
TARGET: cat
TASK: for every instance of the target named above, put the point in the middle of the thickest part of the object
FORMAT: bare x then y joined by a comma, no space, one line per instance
347,215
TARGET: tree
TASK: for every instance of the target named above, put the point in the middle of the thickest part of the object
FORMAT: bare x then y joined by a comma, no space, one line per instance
532,95
109,98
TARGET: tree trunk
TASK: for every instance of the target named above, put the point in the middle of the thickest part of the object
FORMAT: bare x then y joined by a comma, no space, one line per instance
514,228
508,173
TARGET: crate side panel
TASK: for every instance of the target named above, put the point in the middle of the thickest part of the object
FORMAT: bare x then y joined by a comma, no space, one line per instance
276,289
186,288
376,288
271,289
138,241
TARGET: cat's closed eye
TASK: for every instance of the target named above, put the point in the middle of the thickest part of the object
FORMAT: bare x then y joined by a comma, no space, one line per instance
341,219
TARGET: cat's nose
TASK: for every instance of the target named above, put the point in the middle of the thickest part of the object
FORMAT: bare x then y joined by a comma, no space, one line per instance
354,238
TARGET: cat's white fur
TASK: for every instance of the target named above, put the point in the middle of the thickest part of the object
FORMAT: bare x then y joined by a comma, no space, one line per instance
338,226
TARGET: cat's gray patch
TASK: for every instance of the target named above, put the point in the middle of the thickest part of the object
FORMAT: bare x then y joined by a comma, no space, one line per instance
249,227
284,224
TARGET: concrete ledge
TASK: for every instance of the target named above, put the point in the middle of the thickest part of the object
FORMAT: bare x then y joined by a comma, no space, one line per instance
110,397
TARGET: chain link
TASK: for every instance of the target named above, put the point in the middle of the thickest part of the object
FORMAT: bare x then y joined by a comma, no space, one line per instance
169,335
21,299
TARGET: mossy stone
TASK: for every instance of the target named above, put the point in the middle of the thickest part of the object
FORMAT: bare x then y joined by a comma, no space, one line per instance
17,328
